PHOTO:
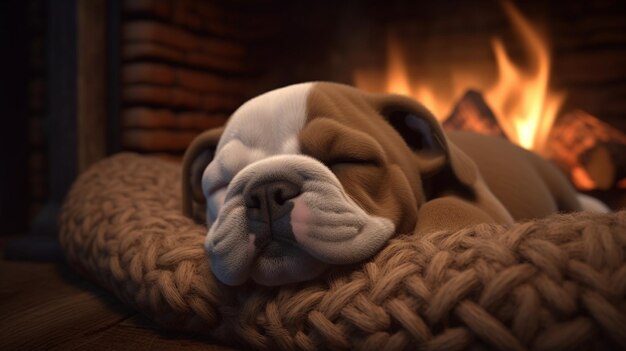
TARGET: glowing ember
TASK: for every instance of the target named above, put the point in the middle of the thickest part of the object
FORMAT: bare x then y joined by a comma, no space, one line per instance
520,97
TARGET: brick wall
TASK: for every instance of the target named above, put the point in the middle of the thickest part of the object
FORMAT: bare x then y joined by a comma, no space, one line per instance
186,66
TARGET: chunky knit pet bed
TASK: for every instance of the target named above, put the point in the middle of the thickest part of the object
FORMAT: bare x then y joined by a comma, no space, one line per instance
552,284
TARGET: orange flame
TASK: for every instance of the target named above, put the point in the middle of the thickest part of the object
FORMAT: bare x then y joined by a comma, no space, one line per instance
520,98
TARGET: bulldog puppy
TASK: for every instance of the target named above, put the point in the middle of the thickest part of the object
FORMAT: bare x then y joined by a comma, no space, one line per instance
320,174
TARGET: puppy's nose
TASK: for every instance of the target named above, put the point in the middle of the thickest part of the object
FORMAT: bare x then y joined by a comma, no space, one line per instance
269,201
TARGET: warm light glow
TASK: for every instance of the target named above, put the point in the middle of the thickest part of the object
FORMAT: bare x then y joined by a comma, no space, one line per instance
520,97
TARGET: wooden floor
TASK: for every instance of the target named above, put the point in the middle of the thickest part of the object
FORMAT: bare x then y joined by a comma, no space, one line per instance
45,306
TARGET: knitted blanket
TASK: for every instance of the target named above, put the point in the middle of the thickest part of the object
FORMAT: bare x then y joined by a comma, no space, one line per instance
551,284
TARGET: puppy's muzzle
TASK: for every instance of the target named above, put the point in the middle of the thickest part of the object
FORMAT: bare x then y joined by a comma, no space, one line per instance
284,219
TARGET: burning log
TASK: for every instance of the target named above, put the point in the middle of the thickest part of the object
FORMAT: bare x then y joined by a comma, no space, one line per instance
472,113
591,151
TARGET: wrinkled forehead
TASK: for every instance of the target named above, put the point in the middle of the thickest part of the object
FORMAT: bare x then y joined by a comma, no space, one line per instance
270,121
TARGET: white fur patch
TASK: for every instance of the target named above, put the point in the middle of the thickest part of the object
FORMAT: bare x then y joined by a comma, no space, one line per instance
270,121
264,126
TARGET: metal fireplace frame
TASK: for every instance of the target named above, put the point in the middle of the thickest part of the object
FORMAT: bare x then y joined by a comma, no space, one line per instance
83,68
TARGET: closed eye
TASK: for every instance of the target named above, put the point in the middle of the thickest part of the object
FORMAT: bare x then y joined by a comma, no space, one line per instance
343,162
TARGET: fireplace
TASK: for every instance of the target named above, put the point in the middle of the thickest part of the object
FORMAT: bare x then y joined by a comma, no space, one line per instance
560,68
167,70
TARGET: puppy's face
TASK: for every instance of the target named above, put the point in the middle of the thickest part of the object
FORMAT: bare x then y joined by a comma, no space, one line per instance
308,176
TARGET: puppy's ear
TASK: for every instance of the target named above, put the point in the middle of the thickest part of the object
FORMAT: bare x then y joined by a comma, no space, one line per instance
422,136
198,155
442,165
445,168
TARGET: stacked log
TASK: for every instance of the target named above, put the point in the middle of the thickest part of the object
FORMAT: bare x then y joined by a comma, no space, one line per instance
186,66
593,152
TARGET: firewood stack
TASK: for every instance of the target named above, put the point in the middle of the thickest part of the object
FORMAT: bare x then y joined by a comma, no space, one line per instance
186,66
589,151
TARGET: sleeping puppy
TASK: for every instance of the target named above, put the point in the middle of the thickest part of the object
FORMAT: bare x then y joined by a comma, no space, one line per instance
320,174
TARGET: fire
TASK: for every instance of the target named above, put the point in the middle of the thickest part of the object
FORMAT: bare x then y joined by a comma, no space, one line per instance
520,98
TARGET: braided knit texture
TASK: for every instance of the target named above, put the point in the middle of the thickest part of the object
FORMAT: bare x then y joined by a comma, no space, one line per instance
553,284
